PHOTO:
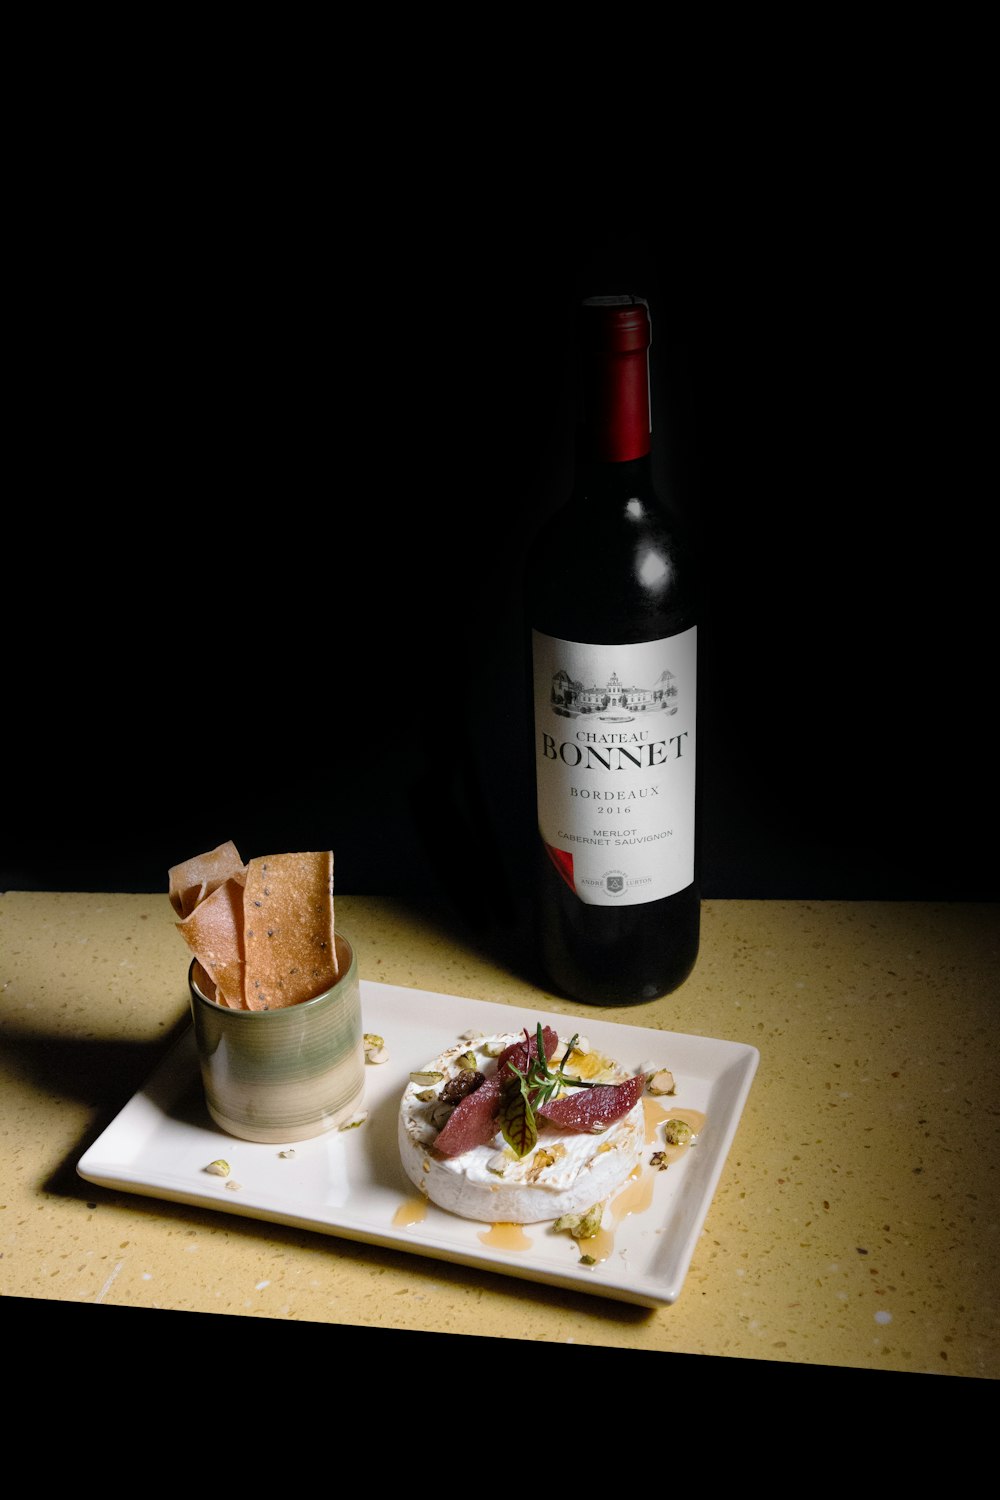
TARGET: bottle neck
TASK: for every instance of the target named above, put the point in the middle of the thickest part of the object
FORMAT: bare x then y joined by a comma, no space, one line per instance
615,336
607,482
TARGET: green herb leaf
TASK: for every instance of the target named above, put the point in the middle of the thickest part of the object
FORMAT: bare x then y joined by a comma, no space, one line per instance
517,1118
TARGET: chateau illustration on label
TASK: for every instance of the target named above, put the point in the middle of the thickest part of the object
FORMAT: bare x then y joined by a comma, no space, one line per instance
612,703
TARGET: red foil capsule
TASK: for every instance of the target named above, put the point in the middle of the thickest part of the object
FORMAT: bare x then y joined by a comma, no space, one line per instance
615,342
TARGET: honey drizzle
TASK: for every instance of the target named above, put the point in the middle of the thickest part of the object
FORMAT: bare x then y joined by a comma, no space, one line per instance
635,1197
637,1194
599,1246
410,1212
506,1237
654,1113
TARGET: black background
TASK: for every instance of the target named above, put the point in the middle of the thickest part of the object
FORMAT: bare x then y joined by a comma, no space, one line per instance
271,591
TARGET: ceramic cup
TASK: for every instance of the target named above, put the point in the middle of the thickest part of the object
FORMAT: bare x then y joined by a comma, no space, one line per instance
287,1074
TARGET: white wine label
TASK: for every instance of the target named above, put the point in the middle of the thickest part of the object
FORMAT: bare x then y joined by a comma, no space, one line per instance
615,764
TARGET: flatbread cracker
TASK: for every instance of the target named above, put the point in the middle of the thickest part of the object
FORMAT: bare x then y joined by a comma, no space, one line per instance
205,982
288,936
191,881
214,933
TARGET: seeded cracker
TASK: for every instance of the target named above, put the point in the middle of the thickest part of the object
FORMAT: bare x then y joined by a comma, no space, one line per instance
288,929
214,933
194,879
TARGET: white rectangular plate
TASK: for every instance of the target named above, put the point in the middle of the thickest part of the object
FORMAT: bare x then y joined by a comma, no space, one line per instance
351,1184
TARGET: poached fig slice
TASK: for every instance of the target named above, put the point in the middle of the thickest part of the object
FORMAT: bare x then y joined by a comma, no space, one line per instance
473,1122
595,1108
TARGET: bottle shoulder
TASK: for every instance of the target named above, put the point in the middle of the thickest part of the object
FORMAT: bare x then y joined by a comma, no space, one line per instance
619,567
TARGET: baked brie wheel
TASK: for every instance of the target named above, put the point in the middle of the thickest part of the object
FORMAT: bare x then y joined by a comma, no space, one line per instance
566,1172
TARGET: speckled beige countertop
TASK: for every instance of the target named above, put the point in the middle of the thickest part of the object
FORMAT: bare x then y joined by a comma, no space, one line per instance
855,1223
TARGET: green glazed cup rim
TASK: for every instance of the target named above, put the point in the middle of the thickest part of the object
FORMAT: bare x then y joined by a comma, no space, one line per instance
298,1009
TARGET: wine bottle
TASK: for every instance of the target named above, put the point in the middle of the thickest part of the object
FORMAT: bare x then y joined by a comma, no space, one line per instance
611,614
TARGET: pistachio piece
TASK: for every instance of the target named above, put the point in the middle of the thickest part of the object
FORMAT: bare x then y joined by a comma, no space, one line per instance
661,1081
375,1050
218,1168
582,1226
678,1133
541,1160
471,1035
427,1096
467,1062
427,1075
356,1119
659,1160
